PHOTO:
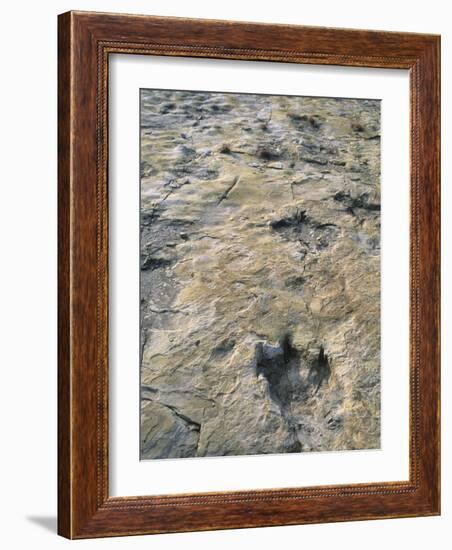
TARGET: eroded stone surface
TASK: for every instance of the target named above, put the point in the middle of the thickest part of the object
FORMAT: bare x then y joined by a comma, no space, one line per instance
260,284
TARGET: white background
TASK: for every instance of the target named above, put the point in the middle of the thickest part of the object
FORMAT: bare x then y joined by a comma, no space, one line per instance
28,270
128,476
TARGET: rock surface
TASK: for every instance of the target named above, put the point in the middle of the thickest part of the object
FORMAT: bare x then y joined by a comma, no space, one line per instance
260,274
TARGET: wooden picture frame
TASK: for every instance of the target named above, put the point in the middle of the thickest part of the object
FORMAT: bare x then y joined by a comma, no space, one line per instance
85,42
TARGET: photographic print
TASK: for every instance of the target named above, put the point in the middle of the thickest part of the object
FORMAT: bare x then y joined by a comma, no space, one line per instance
259,274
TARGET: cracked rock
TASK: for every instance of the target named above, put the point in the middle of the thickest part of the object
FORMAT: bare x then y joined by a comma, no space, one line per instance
260,274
